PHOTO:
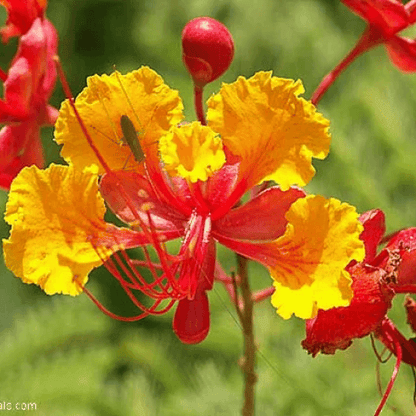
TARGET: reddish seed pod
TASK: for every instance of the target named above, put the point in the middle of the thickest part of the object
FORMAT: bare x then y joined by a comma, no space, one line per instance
207,49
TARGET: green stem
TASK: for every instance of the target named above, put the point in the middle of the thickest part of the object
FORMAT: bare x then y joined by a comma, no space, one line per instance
249,357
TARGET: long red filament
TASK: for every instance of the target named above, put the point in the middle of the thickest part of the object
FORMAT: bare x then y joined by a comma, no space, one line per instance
390,333
150,311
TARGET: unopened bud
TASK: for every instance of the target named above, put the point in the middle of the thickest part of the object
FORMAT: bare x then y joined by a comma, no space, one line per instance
207,49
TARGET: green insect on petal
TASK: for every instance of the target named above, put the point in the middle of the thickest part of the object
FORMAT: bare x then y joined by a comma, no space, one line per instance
131,138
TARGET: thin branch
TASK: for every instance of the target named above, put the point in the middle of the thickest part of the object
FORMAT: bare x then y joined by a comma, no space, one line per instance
368,39
249,358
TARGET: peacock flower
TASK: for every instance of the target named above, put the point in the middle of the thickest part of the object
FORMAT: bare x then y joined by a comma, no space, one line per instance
375,282
28,85
165,179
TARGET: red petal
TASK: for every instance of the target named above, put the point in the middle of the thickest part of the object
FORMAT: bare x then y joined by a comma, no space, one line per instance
138,191
388,15
20,146
49,76
221,185
191,320
7,146
374,229
404,242
336,328
262,218
402,53
411,9
17,90
32,75
21,16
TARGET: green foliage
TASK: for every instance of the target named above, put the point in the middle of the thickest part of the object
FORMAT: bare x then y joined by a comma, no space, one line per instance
70,359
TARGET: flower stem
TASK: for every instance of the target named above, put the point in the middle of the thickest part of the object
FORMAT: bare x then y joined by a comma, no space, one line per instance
199,104
263,294
368,39
3,75
246,318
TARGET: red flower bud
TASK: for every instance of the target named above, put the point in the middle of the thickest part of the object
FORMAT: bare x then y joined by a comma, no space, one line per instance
207,49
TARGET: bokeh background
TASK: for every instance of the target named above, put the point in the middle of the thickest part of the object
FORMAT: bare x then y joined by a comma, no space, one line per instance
70,359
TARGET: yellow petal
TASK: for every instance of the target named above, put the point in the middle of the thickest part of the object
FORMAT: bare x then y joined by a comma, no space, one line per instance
192,151
321,238
55,214
276,133
141,95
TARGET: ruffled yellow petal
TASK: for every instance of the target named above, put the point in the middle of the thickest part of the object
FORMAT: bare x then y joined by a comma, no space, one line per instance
276,133
321,238
192,151
140,95
55,214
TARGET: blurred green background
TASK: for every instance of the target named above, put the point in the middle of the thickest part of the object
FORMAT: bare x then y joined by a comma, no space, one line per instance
70,359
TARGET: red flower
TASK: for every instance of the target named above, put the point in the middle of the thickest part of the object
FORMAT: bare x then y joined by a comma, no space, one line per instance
386,18
375,282
28,86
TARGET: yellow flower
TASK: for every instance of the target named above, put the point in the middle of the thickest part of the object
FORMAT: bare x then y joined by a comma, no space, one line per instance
188,184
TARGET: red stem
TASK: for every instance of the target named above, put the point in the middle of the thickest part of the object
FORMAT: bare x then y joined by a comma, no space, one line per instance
199,104
368,39
3,75
263,294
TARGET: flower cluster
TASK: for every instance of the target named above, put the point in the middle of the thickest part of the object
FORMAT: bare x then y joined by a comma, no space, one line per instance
235,180
28,85
189,184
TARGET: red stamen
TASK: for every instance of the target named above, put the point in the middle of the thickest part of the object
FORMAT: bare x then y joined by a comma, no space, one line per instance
124,269
390,333
149,311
